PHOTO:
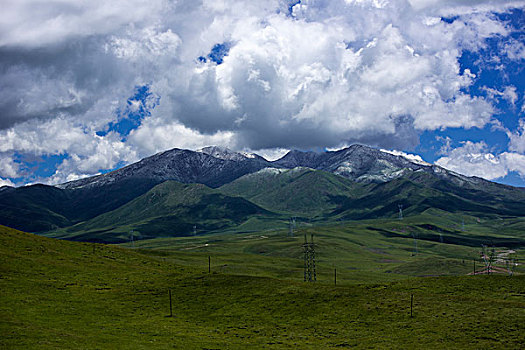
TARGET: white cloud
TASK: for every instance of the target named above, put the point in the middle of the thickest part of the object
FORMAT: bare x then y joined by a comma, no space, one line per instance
515,50
8,167
517,138
155,136
336,72
88,152
272,153
509,93
514,162
6,182
474,159
412,157
138,45
39,22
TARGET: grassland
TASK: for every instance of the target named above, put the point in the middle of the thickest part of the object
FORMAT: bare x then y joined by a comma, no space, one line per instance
366,251
59,294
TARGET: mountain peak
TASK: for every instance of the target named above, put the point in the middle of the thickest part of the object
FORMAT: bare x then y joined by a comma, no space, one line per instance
226,153
296,158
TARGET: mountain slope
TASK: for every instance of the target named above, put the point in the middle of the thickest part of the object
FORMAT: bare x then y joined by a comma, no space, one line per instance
299,191
417,195
50,207
208,166
169,209
357,162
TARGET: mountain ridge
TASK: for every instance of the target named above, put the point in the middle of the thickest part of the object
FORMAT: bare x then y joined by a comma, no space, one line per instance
68,204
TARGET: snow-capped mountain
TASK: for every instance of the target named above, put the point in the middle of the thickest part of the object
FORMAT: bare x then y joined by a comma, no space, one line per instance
212,166
227,154
216,166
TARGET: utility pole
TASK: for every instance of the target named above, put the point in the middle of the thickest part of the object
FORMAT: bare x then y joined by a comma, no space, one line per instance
132,242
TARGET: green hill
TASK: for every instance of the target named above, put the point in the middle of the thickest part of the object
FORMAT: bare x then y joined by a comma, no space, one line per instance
60,294
299,191
169,209
51,208
417,195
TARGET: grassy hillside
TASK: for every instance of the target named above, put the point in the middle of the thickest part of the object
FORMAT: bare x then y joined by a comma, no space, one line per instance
169,209
59,294
50,208
299,191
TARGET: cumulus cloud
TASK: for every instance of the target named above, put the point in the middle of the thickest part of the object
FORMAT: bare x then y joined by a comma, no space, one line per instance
517,138
155,136
474,159
412,157
35,23
316,75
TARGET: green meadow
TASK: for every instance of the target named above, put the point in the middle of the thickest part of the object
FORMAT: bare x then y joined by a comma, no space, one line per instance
59,294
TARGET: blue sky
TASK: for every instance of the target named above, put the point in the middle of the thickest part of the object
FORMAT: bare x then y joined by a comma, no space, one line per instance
440,79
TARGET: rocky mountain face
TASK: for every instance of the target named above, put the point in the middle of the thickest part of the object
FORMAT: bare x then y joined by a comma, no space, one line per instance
211,166
216,166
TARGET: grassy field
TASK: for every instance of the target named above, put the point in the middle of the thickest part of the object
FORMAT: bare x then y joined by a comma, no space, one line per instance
362,251
59,294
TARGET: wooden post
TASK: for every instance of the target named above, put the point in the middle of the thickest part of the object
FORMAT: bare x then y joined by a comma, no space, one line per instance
171,313
411,304
209,264
335,276
474,261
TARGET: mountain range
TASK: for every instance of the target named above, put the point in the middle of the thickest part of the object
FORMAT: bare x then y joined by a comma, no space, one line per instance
182,192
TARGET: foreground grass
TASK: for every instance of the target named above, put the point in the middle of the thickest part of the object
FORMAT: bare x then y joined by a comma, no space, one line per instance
58,294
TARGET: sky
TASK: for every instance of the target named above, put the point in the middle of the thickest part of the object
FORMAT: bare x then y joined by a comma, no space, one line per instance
89,86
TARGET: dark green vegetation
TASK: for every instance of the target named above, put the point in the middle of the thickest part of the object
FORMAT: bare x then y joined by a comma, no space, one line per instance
170,207
50,207
59,294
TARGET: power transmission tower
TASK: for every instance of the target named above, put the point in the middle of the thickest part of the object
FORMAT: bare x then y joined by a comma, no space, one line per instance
400,206
310,274
488,257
